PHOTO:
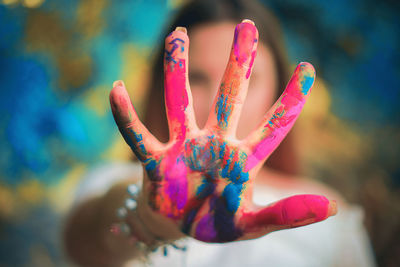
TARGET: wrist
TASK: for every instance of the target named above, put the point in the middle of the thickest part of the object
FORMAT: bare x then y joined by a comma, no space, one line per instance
160,227
136,221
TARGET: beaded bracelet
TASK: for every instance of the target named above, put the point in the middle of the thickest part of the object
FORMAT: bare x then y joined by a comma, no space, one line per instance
130,205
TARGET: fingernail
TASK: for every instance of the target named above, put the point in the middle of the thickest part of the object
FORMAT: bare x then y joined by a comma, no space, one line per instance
245,42
332,209
248,21
118,83
181,29
306,77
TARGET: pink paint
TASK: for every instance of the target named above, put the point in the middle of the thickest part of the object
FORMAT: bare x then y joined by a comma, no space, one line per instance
289,212
253,56
175,184
243,44
275,135
120,104
287,110
176,98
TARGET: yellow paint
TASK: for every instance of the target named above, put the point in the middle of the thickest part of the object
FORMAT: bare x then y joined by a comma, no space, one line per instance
89,19
62,195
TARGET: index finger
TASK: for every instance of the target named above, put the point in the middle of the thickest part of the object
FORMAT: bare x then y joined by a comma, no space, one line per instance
281,117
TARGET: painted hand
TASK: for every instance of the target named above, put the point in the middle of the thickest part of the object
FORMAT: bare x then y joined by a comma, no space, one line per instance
201,180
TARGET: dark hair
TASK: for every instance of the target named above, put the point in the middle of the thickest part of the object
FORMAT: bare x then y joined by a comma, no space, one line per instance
200,12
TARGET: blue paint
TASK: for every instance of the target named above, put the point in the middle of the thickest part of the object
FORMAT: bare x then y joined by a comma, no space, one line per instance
222,150
223,110
200,154
306,84
139,143
188,220
274,119
175,45
136,145
152,170
224,221
234,174
192,160
213,147
151,164
225,170
232,194
205,189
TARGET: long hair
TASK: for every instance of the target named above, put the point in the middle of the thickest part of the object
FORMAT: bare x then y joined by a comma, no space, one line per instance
200,12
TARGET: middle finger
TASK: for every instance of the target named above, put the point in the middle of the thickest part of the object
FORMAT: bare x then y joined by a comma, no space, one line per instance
232,92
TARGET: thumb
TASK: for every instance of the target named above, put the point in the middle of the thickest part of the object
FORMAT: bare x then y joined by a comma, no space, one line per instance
295,211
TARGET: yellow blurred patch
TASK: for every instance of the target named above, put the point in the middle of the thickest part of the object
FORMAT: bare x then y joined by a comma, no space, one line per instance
135,71
119,151
322,139
176,3
61,195
32,3
31,192
25,3
7,202
89,19
319,103
47,33
75,69
96,99
40,256
9,2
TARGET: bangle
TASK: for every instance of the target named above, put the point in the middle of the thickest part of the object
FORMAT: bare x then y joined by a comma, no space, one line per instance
136,229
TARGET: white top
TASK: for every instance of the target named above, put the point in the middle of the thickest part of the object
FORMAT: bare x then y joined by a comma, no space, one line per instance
340,240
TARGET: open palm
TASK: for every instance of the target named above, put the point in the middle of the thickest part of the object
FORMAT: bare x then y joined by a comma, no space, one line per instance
202,178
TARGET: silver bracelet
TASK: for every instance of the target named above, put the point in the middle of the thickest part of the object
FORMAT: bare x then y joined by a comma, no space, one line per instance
130,205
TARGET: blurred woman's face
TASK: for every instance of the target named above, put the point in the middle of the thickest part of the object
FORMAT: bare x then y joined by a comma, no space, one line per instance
210,45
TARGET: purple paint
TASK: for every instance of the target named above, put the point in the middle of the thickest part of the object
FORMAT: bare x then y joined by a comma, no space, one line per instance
205,230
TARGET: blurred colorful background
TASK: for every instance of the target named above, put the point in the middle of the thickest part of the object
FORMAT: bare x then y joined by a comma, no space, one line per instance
58,60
